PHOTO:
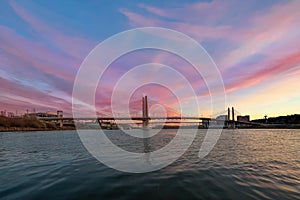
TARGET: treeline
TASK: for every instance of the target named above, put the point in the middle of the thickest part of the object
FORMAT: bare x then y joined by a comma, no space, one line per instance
289,119
24,122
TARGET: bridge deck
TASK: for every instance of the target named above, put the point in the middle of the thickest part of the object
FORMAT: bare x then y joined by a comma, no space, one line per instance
149,118
125,118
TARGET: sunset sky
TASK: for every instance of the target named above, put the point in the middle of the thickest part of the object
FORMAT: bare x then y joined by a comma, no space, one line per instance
255,45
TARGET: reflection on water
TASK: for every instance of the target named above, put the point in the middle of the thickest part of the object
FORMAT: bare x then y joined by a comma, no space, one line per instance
245,164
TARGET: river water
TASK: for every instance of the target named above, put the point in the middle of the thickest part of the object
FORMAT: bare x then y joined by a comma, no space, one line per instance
244,164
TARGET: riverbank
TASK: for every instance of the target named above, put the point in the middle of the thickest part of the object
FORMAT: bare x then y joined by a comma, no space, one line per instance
23,129
21,124
15,124
26,129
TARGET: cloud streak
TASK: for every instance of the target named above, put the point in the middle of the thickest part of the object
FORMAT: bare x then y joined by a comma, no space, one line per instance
252,43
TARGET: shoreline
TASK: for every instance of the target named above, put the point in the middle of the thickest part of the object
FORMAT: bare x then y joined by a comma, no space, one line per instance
30,129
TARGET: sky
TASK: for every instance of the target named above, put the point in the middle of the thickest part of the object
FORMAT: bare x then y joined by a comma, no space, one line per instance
255,45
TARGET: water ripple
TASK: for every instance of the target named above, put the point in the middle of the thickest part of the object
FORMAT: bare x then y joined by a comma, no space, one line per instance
245,164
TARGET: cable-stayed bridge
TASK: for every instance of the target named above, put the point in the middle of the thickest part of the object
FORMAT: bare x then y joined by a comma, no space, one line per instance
169,116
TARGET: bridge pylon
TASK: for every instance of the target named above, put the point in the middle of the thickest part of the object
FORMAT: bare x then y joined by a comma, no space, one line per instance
145,111
230,118
233,122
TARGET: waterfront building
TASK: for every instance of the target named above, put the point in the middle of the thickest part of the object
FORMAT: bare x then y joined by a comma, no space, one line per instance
245,118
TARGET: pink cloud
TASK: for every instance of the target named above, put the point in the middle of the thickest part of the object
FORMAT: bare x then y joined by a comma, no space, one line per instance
269,71
76,47
36,54
273,34
23,97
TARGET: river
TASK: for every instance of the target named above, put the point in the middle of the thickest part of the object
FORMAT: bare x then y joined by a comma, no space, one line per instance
244,164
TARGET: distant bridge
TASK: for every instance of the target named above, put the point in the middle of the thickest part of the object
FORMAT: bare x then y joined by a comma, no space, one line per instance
145,119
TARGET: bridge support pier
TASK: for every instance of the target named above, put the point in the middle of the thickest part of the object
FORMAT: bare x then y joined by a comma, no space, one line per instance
205,123
61,124
60,121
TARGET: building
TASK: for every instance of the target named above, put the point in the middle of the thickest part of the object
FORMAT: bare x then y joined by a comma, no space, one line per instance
10,114
245,118
59,113
3,113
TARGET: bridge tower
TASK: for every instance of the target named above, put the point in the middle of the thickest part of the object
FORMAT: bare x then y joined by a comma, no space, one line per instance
228,117
145,111
233,123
